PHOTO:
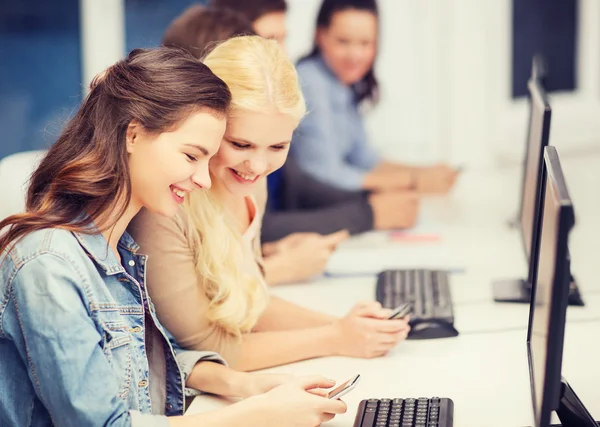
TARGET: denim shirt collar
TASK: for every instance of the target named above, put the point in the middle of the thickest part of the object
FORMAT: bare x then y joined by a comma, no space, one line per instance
96,246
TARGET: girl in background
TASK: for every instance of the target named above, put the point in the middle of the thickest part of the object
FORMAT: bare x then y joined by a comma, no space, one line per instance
337,77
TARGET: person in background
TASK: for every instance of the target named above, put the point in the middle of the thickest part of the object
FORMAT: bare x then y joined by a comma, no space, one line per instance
298,203
226,306
337,77
267,17
80,344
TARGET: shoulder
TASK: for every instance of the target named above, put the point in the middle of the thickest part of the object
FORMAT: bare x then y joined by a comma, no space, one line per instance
44,254
312,74
309,66
49,241
148,226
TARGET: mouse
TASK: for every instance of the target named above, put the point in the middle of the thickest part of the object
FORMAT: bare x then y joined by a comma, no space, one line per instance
430,329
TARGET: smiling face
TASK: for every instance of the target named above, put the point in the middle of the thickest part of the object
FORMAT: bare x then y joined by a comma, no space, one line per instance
165,167
254,145
349,44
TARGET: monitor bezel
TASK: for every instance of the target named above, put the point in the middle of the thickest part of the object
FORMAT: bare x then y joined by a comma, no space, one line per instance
538,100
553,176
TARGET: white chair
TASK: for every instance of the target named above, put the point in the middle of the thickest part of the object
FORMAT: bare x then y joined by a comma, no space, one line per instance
15,171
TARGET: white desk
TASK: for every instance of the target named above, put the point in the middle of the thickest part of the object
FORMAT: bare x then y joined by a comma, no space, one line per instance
484,370
485,375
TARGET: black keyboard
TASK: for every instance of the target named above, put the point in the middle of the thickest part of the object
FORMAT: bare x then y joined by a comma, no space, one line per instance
421,412
429,293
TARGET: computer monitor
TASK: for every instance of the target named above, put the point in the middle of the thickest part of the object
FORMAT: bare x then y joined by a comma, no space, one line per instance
519,290
539,134
548,309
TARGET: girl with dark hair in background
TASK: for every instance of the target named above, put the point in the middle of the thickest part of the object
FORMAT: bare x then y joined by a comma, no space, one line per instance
337,76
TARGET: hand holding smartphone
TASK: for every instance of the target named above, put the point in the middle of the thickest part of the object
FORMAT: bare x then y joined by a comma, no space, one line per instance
344,388
401,311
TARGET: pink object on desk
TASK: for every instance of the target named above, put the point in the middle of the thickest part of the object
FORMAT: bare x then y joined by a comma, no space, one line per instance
407,236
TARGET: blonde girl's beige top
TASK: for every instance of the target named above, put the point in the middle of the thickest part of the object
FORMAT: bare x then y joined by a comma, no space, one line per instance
172,282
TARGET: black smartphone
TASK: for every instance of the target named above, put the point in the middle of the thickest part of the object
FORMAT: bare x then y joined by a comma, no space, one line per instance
401,311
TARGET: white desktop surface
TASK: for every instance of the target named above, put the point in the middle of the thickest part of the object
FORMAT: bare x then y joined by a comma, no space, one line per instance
484,370
485,375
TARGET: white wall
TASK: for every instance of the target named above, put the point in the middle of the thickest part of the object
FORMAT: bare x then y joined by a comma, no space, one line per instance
444,68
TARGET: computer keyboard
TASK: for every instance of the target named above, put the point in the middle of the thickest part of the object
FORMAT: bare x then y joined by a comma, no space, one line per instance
429,293
421,412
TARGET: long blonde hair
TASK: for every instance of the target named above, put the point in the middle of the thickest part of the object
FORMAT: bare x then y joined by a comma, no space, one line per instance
262,79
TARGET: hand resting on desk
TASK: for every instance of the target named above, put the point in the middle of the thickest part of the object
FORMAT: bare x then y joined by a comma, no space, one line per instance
366,331
299,256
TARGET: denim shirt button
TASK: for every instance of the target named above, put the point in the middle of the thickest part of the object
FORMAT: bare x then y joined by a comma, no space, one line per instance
143,383
169,406
131,263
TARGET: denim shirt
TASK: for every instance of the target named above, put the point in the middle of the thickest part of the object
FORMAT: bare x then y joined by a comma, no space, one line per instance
331,142
72,336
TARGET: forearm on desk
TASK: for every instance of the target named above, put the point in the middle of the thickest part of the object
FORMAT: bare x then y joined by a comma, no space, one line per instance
215,378
386,179
267,349
281,315
392,166
354,215
280,269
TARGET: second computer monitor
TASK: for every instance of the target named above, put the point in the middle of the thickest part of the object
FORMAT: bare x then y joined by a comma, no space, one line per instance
550,291
538,136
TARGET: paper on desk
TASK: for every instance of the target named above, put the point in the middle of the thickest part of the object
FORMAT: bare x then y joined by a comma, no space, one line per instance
426,230
363,261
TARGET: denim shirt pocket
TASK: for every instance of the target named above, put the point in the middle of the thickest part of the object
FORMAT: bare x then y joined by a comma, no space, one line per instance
116,344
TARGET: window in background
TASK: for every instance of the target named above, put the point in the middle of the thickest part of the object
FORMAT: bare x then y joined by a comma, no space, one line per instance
147,20
40,75
548,28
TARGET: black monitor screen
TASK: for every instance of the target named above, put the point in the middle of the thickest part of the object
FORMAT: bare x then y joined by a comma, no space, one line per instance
539,130
549,298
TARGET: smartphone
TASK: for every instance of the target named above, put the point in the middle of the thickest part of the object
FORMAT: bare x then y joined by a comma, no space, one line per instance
401,311
344,388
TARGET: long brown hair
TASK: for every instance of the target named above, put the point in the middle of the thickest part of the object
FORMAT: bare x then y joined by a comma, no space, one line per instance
84,177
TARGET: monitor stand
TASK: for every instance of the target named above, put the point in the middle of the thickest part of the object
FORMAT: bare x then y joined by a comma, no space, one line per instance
571,411
515,290
519,291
